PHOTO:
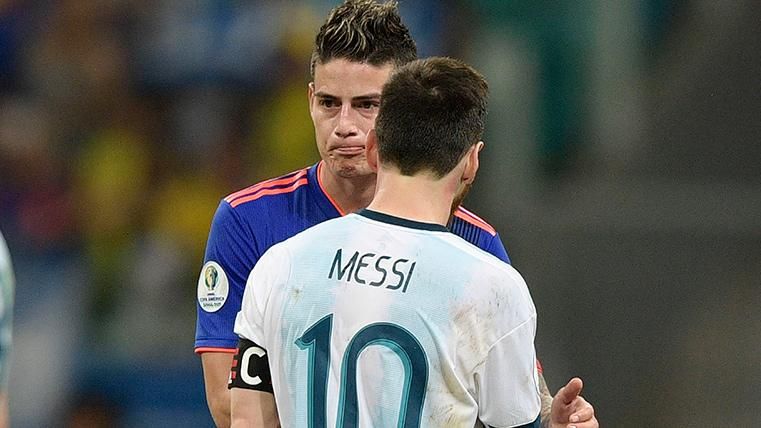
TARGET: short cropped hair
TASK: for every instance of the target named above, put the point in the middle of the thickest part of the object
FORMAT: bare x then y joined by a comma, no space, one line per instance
432,111
364,31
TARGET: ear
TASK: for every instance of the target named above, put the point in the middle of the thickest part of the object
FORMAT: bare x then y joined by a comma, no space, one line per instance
371,150
472,163
310,95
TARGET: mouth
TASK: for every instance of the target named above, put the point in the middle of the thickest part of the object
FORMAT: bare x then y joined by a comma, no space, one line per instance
349,150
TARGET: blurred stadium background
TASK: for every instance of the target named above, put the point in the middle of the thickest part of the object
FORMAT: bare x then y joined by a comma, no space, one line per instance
622,169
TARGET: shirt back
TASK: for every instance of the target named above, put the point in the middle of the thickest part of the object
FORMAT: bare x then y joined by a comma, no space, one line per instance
371,320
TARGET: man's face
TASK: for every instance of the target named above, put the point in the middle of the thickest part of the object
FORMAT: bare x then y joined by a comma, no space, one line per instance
343,102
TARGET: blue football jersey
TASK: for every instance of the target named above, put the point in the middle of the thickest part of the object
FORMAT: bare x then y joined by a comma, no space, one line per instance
248,222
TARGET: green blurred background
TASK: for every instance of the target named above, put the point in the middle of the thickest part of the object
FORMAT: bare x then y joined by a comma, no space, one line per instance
622,169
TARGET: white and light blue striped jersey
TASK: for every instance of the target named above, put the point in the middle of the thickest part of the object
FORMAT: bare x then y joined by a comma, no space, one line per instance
6,311
371,320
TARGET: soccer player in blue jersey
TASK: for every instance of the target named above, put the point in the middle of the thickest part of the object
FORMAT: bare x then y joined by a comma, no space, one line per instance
356,50
384,317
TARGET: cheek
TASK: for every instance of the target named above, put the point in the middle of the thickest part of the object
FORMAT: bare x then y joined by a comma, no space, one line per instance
322,128
368,123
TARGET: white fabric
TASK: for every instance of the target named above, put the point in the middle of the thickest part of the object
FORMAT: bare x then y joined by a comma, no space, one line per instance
7,285
471,313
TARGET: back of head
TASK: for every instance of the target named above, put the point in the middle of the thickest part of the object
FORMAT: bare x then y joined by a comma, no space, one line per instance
364,31
432,111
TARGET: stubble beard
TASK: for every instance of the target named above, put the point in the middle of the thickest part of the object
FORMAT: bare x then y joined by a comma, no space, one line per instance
351,168
458,198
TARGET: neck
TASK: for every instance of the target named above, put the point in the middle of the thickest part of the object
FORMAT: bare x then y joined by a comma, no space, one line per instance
350,194
420,198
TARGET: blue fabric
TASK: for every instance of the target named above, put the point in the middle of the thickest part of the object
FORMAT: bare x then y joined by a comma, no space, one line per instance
249,222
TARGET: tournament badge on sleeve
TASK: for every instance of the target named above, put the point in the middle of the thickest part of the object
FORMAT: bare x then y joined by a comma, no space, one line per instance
212,287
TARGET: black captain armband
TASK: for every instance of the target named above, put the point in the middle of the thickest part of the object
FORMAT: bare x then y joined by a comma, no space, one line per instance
251,368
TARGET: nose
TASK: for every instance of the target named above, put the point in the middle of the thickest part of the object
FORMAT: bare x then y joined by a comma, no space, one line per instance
346,125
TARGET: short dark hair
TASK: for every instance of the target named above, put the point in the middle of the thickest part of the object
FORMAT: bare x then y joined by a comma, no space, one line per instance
432,111
364,31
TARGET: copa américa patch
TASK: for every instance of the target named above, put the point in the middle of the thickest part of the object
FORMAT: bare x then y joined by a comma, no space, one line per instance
213,287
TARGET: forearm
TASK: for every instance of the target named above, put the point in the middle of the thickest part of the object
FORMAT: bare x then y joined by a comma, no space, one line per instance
546,396
253,408
219,406
216,370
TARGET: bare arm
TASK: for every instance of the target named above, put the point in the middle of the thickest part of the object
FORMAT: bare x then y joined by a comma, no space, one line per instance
216,371
546,397
253,408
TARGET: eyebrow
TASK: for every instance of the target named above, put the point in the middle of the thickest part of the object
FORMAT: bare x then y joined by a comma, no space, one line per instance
366,97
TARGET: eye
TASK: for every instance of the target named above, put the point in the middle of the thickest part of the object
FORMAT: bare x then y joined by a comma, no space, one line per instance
327,102
368,104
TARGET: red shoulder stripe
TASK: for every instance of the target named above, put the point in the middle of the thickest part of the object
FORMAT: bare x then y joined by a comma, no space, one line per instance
204,349
325,192
268,191
474,220
286,179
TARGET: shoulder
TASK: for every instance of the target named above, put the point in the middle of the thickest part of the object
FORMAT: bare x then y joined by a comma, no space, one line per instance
321,233
465,219
488,281
261,210
478,232
265,191
494,278
489,262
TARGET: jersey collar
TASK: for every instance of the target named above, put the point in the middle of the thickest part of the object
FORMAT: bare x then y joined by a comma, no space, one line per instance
324,201
398,221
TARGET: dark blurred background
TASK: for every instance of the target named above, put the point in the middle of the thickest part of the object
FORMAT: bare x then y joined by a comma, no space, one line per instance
622,169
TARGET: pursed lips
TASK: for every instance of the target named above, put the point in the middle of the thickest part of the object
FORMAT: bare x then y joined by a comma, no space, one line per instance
349,150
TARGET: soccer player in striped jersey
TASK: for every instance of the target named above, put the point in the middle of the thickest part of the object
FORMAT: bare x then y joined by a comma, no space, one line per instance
384,317
356,49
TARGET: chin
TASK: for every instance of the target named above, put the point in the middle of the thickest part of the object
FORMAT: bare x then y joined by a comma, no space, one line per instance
351,172
349,168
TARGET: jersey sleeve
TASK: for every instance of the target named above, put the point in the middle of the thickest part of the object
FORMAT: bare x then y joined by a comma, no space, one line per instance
507,381
496,248
231,253
268,272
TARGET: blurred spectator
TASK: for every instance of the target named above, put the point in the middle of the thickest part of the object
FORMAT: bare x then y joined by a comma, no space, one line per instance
122,124
202,42
558,34
94,411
